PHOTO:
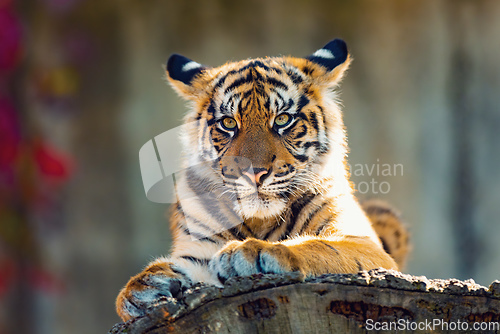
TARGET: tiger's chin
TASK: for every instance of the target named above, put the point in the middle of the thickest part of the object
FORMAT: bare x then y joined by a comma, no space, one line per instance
260,206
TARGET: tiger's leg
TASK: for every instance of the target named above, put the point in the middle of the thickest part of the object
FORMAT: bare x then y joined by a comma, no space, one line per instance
158,281
392,233
162,279
309,255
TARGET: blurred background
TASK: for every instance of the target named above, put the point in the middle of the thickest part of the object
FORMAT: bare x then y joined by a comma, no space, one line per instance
82,89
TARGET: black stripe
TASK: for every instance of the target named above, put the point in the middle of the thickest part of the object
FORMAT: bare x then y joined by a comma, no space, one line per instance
256,63
178,272
303,101
246,101
311,143
276,69
207,239
222,132
307,70
211,108
198,236
201,225
281,174
203,262
287,130
277,83
195,221
360,267
288,105
323,115
278,101
310,217
238,82
295,77
295,211
313,119
302,132
267,104
301,115
253,64
300,157
246,94
329,246
222,79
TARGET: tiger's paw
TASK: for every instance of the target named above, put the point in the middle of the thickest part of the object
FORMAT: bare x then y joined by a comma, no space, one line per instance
244,258
158,282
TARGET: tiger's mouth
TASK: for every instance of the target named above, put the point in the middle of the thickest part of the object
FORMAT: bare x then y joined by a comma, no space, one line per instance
258,201
260,205
257,195
252,191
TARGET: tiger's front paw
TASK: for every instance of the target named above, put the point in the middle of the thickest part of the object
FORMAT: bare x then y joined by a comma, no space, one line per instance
156,283
244,258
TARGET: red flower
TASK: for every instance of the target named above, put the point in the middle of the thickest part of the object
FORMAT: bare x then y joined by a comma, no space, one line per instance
51,163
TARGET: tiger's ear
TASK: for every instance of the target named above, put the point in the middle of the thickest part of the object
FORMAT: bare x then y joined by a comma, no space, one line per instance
334,58
185,76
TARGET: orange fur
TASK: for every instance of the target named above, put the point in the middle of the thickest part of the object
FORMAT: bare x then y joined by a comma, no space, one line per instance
296,212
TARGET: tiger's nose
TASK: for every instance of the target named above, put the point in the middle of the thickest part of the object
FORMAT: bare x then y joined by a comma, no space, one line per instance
258,176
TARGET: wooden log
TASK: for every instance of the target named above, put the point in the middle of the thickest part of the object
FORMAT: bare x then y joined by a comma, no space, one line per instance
335,303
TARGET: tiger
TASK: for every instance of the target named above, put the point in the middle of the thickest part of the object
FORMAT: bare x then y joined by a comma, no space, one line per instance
265,187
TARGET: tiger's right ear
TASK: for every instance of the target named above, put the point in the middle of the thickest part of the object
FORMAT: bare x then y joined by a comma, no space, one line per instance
186,76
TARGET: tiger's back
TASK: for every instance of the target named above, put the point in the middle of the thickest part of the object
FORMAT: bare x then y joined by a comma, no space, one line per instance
265,187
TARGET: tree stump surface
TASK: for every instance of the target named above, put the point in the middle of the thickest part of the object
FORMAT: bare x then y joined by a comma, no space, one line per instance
333,303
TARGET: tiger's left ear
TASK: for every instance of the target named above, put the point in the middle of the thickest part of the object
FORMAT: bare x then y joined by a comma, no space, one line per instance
186,76
334,58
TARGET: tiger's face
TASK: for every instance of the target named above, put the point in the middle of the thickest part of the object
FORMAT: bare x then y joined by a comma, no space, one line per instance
270,126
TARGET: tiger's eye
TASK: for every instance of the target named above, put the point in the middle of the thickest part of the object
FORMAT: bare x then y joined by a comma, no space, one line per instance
282,120
229,123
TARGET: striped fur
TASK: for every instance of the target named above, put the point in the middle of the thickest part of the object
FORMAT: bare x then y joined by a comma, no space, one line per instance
265,187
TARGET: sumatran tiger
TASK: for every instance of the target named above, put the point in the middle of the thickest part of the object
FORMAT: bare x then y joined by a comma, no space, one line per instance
265,187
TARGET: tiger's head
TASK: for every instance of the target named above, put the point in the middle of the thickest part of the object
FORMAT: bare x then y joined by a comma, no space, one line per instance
271,127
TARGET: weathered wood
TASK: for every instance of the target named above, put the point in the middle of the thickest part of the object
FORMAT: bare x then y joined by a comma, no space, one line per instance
326,304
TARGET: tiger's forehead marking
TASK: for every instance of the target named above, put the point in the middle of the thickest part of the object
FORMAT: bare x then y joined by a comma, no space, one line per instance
263,86
279,67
